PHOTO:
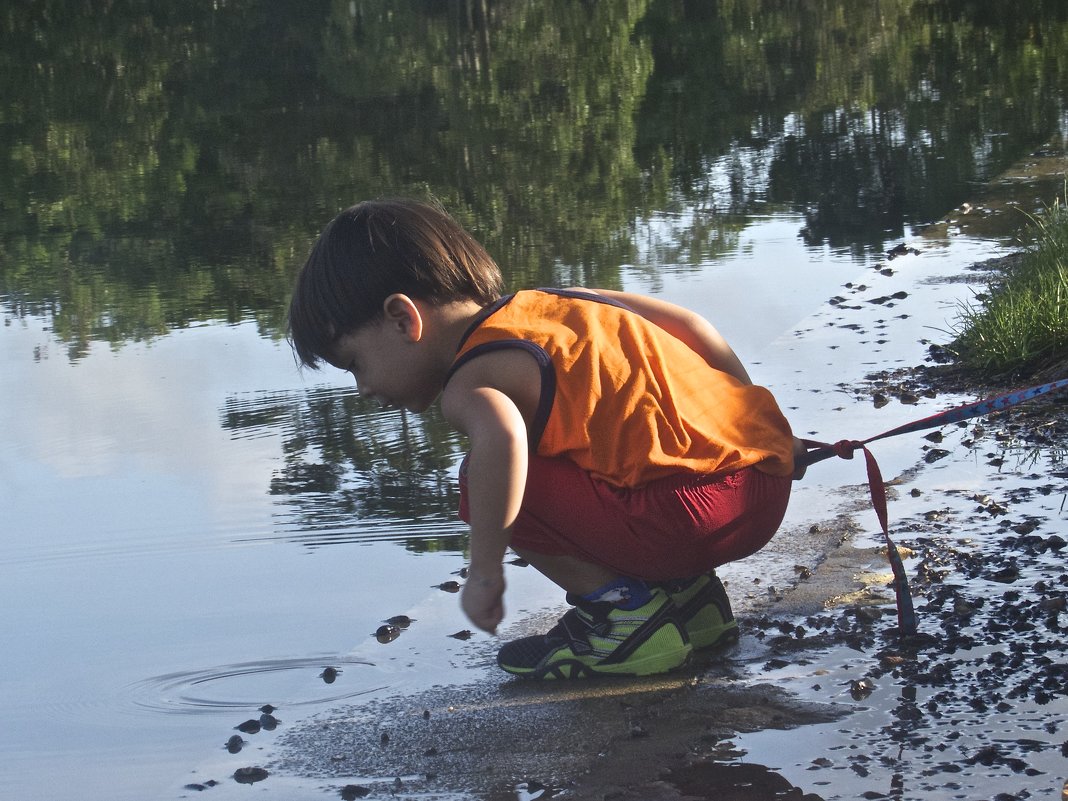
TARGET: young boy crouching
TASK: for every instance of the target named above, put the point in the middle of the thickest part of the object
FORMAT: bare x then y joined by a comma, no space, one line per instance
616,442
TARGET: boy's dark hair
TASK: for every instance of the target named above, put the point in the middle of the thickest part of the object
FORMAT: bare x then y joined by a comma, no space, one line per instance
377,248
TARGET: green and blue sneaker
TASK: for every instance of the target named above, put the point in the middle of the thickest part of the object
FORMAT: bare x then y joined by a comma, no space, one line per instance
704,609
600,638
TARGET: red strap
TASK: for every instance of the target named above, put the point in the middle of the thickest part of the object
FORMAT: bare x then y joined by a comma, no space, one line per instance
906,614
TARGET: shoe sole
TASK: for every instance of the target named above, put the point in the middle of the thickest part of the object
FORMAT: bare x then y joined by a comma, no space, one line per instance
570,667
646,658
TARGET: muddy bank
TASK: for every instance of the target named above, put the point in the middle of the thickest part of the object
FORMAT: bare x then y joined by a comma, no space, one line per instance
822,698
973,706
501,742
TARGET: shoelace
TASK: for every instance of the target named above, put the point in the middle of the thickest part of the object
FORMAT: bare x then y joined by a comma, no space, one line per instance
576,626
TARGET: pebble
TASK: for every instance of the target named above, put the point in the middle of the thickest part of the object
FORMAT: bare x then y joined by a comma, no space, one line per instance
387,633
329,674
250,775
350,792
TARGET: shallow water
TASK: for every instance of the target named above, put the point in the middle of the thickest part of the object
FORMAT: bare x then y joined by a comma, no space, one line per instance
192,528
953,722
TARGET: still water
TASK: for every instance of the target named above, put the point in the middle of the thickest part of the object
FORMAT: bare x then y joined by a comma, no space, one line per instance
191,527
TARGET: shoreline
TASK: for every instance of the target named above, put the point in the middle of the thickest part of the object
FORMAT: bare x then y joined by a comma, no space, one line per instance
720,727
820,699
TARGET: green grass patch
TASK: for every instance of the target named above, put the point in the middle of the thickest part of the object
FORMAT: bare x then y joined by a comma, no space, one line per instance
1020,327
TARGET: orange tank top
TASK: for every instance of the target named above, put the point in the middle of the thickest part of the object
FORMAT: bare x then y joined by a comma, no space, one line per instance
626,400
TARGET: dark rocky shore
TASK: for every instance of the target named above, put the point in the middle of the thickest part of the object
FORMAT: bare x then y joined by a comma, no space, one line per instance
973,706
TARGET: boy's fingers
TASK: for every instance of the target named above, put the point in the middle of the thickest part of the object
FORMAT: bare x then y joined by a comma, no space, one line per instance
489,622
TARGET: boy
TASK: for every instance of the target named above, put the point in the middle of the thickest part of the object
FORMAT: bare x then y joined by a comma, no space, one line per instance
616,442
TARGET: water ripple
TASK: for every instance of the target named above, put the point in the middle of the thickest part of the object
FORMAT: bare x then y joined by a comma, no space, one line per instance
249,685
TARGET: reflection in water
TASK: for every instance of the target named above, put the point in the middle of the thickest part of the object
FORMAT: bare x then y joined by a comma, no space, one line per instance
161,171
352,472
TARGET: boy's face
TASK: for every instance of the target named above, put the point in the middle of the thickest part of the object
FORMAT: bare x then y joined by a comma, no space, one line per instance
387,363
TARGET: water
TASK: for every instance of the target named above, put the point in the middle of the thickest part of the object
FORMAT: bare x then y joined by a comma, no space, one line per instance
918,737
193,528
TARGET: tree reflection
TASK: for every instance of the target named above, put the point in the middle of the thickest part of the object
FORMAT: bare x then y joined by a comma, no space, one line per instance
352,472
865,116
169,165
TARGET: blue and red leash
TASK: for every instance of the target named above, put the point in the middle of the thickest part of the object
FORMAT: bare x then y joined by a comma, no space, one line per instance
818,451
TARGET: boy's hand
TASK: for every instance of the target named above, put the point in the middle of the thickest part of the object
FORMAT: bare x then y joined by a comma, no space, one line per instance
483,601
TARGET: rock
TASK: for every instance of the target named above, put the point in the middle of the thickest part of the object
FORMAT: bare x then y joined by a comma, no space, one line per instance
330,674
250,775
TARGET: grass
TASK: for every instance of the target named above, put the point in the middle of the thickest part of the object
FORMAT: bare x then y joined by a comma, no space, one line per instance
1020,327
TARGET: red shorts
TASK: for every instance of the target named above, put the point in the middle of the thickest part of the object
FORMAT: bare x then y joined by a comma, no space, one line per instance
674,527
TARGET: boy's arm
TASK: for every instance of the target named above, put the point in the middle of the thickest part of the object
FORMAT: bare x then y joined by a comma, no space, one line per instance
496,477
690,327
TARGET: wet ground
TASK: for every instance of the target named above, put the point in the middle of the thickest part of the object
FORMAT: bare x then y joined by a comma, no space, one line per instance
822,698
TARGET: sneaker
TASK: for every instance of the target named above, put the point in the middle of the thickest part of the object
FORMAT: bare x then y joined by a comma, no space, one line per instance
597,638
704,609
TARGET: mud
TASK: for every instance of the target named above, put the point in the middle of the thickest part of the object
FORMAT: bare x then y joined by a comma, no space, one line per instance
496,742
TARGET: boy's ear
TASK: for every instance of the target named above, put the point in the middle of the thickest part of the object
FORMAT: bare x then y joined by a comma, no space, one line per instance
403,315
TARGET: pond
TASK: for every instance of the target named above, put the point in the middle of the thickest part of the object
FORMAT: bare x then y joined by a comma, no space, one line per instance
191,526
